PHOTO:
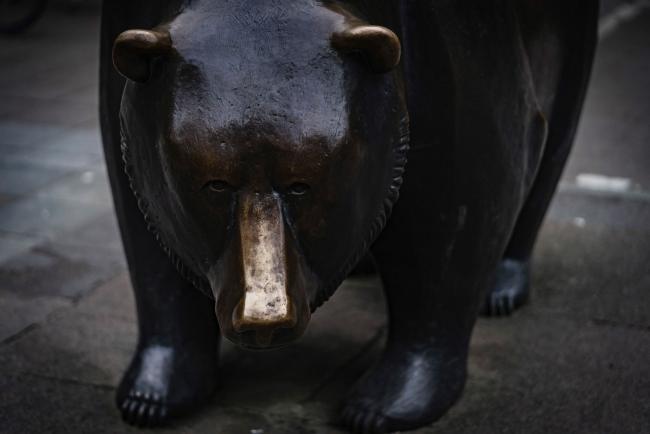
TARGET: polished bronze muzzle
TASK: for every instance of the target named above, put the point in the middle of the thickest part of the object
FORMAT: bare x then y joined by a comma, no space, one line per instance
261,302
266,304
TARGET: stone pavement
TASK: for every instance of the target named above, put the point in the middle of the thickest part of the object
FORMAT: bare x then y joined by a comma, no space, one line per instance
577,359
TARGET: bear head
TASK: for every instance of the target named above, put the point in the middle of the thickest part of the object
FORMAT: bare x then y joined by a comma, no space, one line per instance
265,142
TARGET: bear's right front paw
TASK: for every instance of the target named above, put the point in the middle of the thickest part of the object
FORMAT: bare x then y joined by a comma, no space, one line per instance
164,382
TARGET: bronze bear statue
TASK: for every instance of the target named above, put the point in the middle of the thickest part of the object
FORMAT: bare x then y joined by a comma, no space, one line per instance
266,144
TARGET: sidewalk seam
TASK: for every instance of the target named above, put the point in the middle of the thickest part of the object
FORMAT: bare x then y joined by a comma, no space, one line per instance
18,335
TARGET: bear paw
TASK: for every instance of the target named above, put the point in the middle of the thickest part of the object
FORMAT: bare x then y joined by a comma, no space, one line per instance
164,382
407,389
510,290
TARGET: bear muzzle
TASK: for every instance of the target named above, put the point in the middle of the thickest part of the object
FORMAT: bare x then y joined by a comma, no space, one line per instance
261,287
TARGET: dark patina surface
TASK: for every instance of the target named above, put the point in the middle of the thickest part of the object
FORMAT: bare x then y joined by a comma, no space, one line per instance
266,143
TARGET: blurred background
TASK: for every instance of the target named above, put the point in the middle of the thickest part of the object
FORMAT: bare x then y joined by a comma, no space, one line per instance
576,359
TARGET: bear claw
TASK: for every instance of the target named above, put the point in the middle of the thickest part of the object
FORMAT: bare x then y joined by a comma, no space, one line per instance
143,409
500,304
510,290
363,421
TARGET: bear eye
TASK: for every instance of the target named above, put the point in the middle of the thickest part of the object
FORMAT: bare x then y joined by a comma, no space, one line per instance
218,186
298,189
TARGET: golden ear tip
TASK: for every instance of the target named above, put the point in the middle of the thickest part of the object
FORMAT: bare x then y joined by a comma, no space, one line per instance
380,46
134,49
144,39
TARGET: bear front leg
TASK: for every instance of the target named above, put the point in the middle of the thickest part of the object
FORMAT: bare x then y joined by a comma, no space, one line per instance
422,370
436,258
175,363
174,368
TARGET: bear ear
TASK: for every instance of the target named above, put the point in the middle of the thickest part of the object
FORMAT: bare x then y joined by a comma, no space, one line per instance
134,50
379,46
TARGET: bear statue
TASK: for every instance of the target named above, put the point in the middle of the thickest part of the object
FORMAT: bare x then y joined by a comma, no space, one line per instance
256,151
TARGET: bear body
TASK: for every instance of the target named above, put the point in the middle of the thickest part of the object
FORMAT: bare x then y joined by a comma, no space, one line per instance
266,143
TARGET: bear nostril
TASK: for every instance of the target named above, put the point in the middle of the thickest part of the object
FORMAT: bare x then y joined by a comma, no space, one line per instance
298,188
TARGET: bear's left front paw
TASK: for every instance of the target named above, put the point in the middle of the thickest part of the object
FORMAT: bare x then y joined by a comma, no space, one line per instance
404,390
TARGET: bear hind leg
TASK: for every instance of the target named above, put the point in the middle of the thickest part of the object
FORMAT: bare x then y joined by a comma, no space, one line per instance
576,29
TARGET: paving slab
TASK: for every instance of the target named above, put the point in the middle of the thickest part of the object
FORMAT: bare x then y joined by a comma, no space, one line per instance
50,83
81,140
11,104
91,343
85,186
87,94
12,245
542,374
63,159
17,132
46,216
592,262
101,230
6,198
90,409
54,109
65,407
20,316
19,180
65,270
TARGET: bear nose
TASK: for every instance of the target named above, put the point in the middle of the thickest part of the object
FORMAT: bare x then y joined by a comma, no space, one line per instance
262,330
265,305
